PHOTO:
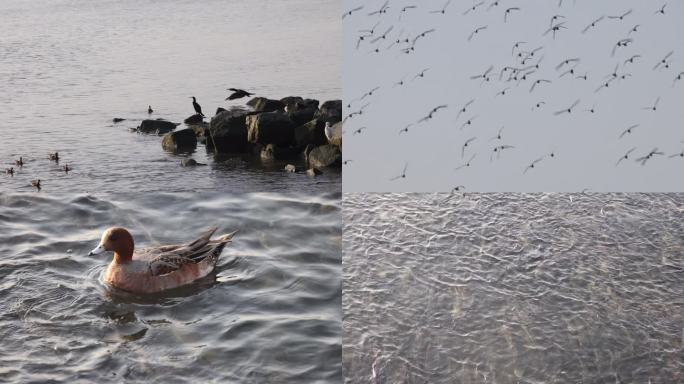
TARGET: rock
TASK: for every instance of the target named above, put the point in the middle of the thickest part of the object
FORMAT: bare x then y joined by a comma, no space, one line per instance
228,131
310,133
270,128
182,140
302,116
331,109
117,120
290,102
190,163
194,119
158,126
219,110
272,152
290,168
336,139
325,156
262,104
314,172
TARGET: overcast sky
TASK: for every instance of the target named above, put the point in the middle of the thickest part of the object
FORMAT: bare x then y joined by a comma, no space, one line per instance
585,145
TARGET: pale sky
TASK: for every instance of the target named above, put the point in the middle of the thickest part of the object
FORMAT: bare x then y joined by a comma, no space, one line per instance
586,145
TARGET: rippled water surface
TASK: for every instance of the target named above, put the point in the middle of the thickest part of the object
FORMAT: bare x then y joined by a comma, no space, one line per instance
506,288
271,312
67,67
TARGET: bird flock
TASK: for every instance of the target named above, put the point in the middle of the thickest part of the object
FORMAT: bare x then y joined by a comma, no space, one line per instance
561,70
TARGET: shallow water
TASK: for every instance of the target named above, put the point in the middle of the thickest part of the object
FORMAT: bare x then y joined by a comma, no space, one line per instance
270,313
70,66
508,288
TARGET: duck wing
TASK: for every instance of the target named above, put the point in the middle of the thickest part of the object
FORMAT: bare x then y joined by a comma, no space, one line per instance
174,257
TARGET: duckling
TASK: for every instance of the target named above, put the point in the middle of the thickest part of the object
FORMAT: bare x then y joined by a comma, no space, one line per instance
10,171
19,162
36,184
54,157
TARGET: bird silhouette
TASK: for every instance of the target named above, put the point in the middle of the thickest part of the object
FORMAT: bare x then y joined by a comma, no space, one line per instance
198,108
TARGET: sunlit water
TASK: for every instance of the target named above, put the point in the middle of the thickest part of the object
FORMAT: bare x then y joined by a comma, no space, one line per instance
271,312
506,288
67,67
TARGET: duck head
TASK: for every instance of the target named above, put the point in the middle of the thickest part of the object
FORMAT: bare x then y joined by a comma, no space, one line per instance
117,240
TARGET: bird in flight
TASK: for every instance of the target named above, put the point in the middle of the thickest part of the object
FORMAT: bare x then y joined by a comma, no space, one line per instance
476,31
498,135
406,8
654,107
631,59
382,9
466,164
644,159
349,12
628,130
554,29
664,62
498,150
360,130
403,174
568,110
473,8
508,12
621,17
465,107
676,79
625,156
533,164
593,24
468,122
661,10
443,10
537,82
465,145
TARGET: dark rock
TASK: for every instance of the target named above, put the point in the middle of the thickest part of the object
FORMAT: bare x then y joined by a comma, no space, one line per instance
290,168
310,133
325,156
314,172
272,152
228,131
270,128
291,101
158,126
219,110
302,116
331,109
262,104
182,140
117,120
190,163
194,119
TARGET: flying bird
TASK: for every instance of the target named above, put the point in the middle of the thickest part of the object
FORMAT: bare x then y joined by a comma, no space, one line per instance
621,17
403,174
465,145
349,12
628,130
568,110
238,94
625,156
443,10
467,163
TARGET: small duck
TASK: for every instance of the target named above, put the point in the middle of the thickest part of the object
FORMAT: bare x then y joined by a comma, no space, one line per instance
19,162
36,184
149,110
10,171
66,168
159,268
54,157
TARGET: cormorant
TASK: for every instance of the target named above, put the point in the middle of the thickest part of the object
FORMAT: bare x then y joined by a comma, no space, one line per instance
197,107
238,94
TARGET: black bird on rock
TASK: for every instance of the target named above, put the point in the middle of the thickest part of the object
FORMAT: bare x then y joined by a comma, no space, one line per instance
198,108
238,94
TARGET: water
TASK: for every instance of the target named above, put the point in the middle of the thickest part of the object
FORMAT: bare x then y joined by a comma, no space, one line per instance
509,288
270,313
69,66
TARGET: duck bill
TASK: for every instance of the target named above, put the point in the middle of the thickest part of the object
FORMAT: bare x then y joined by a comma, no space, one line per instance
99,249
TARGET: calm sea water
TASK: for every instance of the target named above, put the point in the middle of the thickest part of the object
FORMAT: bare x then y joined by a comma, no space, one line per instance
271,313
507,288
67,67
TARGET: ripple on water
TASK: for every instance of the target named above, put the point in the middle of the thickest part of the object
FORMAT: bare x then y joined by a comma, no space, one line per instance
513,288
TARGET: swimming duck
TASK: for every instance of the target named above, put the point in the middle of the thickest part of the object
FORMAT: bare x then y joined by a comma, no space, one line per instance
54,156
67,168
149,110
36,183
19,162
159,268
10,171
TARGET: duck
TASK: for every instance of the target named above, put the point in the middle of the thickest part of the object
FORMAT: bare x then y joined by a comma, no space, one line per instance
149,110
54,156
10,171
36,184
66,168
159,268
19,162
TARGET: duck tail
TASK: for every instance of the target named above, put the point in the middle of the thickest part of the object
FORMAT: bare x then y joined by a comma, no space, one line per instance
227,238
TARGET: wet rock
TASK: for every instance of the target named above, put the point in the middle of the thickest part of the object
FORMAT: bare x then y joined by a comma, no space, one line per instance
310,133
314,172
262,104
291,101
270,128
290,168
325,156
194,119
117,120
182,140
158,126
302,115
190,163
219,110
228,131
272,152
